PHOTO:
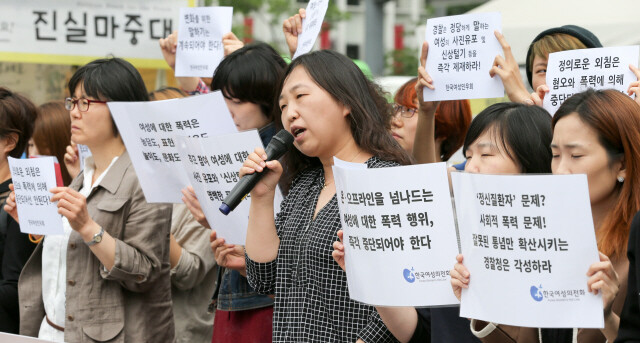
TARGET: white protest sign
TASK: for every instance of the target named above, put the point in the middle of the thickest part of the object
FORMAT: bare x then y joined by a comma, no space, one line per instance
399,236
83,153
199,49
212,166
573,71
311,25
32,179
149,128
461,53
528,241
11,338
77,32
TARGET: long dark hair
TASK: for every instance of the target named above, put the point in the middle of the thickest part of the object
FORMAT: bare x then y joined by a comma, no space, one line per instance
524,133
370,112
52,133
615,117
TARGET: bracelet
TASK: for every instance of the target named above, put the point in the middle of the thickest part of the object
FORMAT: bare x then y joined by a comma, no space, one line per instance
35,240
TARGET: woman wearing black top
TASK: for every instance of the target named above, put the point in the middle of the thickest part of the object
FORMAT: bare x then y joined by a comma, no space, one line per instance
17,115
629,331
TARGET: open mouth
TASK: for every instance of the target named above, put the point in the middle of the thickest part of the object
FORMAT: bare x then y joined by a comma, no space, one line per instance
298,131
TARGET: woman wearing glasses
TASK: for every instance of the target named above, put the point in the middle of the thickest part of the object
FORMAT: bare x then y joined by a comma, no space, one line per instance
107,278
452,121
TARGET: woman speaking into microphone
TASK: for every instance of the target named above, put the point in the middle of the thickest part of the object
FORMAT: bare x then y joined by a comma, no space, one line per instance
331,109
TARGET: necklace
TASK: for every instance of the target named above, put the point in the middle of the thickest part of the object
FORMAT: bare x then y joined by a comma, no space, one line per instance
327,184
330,182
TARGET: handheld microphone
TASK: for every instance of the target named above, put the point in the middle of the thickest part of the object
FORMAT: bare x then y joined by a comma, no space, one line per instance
279,144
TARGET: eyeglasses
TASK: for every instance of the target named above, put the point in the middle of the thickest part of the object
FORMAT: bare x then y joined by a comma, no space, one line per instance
83,104
404,111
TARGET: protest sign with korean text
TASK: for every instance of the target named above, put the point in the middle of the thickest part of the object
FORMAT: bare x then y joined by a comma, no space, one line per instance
32,179
149,131
212,166
77,32
573,71
399,236
311,25
527,241
199,49
462,49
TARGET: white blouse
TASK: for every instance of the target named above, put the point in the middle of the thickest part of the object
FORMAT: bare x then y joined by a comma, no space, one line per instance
54,264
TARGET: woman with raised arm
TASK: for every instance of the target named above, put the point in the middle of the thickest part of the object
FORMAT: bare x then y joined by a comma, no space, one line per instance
193,266
452,120
594,133
506,138
248,80
332,110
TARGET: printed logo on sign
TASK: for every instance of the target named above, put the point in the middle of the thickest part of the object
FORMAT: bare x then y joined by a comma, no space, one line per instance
536,294
408,275
425,276
539,294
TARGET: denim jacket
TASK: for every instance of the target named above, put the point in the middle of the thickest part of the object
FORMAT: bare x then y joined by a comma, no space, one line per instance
235,294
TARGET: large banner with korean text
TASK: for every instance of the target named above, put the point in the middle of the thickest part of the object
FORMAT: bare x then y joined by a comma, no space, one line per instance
76,32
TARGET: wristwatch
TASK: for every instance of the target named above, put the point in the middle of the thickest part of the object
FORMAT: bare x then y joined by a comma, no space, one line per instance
97,238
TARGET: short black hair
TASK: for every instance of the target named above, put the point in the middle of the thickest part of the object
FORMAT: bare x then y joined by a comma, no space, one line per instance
110,79
524,133
17,116
251,74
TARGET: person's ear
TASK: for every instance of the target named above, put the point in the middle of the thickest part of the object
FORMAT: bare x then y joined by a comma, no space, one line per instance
621,170
9,143
346,110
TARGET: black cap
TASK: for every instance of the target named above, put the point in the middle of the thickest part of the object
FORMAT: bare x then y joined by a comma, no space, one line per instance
585,36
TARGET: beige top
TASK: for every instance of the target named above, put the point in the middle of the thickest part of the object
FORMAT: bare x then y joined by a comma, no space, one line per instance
130,303
193,279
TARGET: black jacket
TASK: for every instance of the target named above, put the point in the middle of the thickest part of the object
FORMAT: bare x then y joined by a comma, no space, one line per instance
630,317
15,249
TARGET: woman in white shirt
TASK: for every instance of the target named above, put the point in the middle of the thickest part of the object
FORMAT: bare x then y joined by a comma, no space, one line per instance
107,278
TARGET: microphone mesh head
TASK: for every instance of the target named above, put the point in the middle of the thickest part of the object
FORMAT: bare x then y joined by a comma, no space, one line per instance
285,137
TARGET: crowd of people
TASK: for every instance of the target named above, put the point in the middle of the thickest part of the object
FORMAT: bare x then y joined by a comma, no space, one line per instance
130,271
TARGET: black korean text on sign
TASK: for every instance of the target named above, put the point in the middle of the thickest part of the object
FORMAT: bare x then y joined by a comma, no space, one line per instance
81,27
